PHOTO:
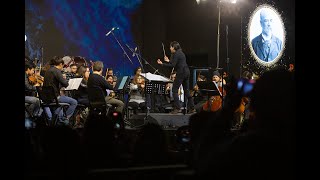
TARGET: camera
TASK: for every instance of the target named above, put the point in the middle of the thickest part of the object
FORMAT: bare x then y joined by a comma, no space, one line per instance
245,86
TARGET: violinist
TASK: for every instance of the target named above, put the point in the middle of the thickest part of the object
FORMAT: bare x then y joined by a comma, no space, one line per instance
30,90
82,93
109,71
53,77
96,80
137,94
110,81
138,71
170,92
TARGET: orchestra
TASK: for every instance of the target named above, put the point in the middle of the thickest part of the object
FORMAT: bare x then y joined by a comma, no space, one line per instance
135,88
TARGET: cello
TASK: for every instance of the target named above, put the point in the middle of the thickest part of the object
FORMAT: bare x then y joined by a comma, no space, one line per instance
215,102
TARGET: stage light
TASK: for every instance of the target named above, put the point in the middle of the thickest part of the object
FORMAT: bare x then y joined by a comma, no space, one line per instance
233,1
198,1
25,37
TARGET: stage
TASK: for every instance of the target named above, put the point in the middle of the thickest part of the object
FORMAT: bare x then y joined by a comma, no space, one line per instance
166,120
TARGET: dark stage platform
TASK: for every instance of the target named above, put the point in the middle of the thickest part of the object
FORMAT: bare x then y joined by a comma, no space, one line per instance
166,120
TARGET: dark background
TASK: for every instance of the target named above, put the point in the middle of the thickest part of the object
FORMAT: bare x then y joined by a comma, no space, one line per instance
148,23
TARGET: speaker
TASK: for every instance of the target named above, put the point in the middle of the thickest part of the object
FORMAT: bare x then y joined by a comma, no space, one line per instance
163,119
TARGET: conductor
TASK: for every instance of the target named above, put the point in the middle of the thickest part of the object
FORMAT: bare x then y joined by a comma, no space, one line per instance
179,63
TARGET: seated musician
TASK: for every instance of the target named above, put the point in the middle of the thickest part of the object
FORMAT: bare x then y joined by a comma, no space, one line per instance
215,102
137,94
53,77
96,80
242,113
138,71
169,89
109,71
82,93
30,90
73,72
217,79
198,98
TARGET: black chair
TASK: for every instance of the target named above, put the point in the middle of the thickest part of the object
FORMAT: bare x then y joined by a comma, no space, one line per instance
28,113
48,98
97,101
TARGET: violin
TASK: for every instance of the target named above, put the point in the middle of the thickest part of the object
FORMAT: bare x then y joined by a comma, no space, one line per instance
36,79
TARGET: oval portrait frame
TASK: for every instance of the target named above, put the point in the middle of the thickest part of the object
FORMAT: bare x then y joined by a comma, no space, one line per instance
254,30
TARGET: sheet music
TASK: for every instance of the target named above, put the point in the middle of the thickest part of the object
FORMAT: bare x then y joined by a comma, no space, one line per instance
74,84
155,77
217,88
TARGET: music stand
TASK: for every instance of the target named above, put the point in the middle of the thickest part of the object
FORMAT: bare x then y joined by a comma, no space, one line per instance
153,82
209,87
121,85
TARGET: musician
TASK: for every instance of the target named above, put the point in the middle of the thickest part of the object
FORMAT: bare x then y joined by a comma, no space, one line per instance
291,67
53,77
215,102
242,114
169,89
73,72
30,90
137,94
226,77
179,63
138,71
96,80
216,78
109,79
198,96
109,71
82,93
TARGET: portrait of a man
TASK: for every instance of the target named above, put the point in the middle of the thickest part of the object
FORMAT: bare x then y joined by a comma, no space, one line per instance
267,46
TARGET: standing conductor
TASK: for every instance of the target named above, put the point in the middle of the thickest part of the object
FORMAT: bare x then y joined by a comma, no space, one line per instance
179,63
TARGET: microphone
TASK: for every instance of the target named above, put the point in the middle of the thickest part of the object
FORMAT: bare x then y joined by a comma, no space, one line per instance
114,28
134,52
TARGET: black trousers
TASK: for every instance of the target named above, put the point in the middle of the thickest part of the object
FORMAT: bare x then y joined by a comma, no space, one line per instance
182,78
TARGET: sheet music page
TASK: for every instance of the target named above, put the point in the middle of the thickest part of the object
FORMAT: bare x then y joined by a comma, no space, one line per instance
155,77
74,84
217,88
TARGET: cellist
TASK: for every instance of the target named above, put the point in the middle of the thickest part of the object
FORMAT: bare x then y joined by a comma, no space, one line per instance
215,102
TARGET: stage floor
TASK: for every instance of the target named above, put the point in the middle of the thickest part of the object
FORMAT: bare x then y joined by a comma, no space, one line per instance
165,120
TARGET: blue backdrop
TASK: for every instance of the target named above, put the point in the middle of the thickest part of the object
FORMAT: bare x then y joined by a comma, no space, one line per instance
79,27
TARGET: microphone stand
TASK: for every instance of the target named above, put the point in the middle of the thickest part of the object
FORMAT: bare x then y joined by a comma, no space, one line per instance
124,52
145,61
145,86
